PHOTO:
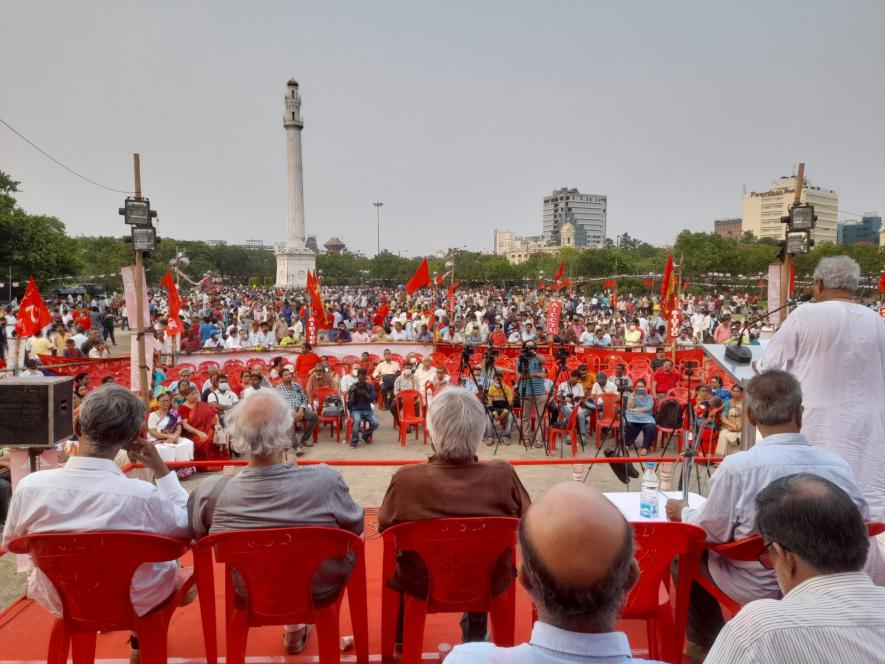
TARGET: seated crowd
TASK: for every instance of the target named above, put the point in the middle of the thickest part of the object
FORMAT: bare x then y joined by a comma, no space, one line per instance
812,524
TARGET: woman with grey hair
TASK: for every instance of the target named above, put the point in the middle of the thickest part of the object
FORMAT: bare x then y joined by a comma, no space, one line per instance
453,483
836,349
270,493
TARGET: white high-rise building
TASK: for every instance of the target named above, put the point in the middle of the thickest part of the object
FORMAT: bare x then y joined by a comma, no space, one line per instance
293,258
586,212
763,210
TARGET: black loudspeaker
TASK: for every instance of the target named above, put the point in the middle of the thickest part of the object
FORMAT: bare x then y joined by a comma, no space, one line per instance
36,412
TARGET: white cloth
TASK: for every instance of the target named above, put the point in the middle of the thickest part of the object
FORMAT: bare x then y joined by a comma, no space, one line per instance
227,398
730,511
93,494
836,350
183,450
830,618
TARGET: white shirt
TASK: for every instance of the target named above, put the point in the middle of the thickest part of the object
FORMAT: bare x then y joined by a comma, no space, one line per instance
94,494
399,335
226,398
232,342
829,618
566,390
249,391
836,350
346,383
730,510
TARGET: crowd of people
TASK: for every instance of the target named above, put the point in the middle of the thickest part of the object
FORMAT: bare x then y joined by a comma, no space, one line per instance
809,486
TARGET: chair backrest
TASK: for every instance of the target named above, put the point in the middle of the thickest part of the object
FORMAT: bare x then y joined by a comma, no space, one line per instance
92,572
460,555
319,395
410,403
610,403
277,566
181,366
680,393
657,544
746,549
208,365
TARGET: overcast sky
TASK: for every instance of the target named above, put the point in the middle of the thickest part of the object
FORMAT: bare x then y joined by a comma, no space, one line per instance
459,116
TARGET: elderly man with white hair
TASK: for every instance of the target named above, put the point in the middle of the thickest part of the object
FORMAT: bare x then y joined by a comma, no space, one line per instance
836,349
270,493
453,483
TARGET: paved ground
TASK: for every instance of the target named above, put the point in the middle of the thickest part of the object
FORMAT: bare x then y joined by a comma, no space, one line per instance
368,484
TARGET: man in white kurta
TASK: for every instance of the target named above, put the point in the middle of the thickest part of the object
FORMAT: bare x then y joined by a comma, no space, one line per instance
836,349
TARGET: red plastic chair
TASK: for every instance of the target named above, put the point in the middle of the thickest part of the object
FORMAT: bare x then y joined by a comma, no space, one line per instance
609,419
570,430
657,544
181,366
680,393
256,363
670,432
277,566
319,395
207,366
460,555
350,359
92,573
409,406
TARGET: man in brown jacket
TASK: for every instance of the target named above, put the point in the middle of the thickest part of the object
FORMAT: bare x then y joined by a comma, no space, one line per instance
453,483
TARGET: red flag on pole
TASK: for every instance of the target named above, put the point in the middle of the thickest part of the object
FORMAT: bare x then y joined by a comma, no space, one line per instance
559,271
174,326
565,284
439,280
610,283
381,314
419,279
668,288
882,283
648,282
32,314
318,311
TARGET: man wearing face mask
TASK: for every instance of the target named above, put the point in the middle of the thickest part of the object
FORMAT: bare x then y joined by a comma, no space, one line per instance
640,418
532,392
405,381
348,380
221,397
816,542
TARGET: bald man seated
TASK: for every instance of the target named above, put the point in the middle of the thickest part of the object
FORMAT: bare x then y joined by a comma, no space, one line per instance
578,597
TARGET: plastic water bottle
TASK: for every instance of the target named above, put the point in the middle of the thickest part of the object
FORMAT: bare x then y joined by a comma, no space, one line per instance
648,496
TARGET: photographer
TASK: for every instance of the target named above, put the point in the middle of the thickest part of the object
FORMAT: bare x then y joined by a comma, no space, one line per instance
499,398
640,418
360,401
570,394
532,390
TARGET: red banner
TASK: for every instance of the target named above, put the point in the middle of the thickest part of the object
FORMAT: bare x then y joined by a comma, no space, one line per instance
675,320
554,313
311,334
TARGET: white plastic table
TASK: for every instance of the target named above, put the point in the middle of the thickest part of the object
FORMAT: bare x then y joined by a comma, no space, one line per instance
628,503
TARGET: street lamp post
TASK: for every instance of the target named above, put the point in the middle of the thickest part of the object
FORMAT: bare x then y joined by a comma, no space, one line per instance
378,205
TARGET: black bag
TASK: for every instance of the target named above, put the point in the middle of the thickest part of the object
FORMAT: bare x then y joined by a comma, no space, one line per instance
388,381
333,406
671,414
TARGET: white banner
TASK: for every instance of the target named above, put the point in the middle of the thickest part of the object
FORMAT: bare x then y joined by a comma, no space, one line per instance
774,293
128,274
133,361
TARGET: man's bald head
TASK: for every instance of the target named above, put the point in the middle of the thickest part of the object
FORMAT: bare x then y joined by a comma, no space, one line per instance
577,558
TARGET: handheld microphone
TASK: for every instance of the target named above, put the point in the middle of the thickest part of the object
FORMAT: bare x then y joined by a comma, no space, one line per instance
742,354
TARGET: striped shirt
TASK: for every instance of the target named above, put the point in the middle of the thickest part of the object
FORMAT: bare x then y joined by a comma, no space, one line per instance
829,618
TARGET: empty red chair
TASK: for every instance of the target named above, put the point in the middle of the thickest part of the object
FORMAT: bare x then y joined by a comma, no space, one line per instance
680,393
277,566
256,363
671,431
409,406
460,555
351,359
319,395
181,366
657,544
92,573
570,430
207,366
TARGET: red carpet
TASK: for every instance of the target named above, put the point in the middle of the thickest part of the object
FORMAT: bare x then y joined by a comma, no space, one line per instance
25,626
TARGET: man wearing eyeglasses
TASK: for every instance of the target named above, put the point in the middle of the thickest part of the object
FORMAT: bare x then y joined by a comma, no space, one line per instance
774,404
816,542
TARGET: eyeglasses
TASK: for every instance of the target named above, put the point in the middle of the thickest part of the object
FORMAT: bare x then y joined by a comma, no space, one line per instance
764,556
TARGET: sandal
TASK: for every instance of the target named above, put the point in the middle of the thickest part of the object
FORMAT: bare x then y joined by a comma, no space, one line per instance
293,643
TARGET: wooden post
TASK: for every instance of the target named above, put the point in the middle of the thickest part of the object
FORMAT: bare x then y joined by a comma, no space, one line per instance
788,259
143,384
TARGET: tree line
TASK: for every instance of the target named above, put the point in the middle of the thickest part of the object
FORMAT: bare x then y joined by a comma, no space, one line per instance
38,246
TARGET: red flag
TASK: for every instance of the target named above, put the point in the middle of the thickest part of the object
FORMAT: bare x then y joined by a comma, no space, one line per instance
610,283
684,285
174,326
565,284
318,311
668,288
882,283
431,318
381,314
648,282
541,285
32,313
439,280
452,295
792,277
559,271
419,279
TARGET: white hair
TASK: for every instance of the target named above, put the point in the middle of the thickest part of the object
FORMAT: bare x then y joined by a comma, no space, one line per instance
261,424
838,273
456,421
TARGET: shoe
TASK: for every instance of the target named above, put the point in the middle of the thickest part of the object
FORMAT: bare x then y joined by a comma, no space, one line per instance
489,442
367,440
631,471
354,445
643,452
299,452
295,642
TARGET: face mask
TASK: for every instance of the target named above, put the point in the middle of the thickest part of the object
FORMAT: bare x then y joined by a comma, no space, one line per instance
354,373
640,390
222,387
407,373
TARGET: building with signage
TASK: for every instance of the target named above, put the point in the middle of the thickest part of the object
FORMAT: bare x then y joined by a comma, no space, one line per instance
763,210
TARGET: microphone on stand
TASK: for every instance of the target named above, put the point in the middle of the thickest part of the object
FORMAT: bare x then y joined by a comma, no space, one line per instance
742,354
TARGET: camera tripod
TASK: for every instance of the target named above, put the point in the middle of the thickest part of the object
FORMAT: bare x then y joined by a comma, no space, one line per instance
623,471
543,414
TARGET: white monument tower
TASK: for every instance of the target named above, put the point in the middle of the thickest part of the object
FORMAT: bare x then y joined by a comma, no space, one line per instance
293,258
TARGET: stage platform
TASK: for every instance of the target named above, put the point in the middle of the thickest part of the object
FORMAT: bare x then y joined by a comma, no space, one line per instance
25,626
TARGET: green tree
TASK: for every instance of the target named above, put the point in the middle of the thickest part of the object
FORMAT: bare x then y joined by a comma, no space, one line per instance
33,245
